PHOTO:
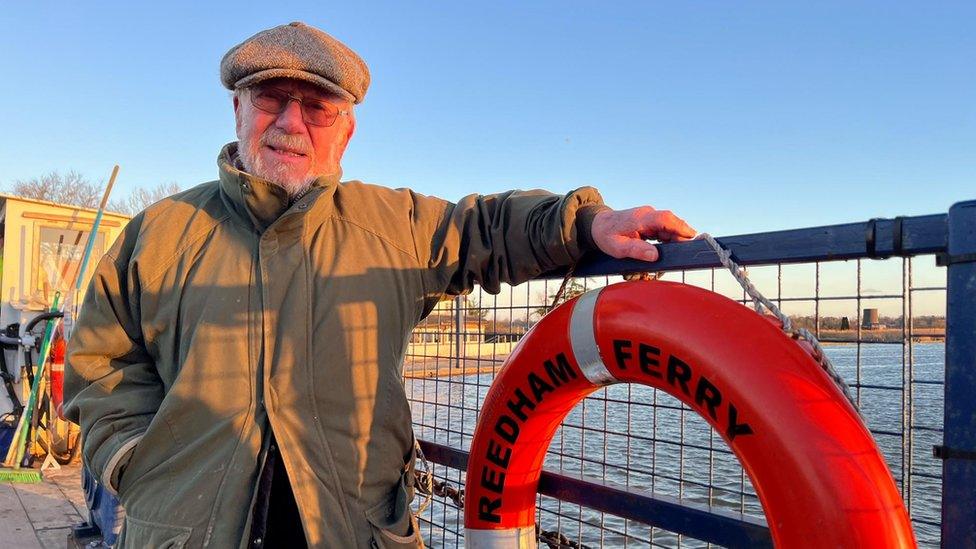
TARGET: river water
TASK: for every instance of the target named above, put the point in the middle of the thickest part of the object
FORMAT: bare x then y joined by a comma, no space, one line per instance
636,436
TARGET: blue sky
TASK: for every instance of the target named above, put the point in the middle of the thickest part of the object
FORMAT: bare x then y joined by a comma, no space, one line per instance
739,116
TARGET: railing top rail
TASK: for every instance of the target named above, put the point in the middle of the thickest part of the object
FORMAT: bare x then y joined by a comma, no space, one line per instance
876,238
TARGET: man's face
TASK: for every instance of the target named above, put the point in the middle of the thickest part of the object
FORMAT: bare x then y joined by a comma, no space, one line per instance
283,148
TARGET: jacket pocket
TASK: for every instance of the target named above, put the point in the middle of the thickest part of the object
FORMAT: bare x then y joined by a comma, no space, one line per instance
392,521
142,533
157,445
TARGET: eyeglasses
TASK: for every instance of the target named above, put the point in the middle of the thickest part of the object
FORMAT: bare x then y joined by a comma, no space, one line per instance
314,111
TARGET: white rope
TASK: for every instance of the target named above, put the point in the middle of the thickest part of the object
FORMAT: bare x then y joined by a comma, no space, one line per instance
786,323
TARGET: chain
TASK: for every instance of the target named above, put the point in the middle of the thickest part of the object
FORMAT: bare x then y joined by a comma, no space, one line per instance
439,488
648,275
786,323
556,540
430,487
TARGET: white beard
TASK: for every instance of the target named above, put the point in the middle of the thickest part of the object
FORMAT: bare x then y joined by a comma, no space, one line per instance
279,174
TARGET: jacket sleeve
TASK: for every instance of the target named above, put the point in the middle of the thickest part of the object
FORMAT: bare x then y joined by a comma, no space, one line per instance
111,386
501,238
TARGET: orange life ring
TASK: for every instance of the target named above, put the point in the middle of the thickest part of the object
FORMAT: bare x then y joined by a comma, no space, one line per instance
817,471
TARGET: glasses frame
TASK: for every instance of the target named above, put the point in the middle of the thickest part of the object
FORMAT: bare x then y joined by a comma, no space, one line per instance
254,91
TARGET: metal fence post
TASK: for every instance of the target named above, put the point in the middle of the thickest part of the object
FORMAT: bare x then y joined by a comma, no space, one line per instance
959,443
458,331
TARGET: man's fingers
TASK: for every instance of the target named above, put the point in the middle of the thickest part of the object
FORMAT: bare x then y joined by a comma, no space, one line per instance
665,235
676,225
639,249
656,222
669,236
622,234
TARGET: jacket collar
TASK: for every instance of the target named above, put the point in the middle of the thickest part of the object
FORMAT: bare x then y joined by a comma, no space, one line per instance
257,200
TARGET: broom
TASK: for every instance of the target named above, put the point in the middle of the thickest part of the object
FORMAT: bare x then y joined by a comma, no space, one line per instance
11,471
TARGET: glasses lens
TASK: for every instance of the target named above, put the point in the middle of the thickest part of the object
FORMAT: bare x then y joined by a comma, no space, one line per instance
319,113
315,112
269,100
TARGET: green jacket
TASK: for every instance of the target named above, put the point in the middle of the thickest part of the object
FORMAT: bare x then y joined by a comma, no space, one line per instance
224,311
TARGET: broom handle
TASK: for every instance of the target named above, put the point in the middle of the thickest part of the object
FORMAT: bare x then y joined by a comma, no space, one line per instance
67,264
80,277
35,423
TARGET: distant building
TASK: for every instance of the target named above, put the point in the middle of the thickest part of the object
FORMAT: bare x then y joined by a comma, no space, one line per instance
871,320
441,326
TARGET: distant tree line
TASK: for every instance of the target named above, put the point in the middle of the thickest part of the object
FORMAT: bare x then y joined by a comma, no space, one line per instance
837,322
74,189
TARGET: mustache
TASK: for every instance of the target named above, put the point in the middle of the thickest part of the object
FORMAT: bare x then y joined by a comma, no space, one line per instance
295,143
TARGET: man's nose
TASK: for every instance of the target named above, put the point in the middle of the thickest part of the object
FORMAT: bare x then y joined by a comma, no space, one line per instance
290,119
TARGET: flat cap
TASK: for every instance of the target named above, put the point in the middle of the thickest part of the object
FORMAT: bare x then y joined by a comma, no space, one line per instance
299,51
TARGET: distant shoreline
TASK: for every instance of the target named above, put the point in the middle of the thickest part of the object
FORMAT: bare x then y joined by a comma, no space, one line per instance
883,335
425,370
446,367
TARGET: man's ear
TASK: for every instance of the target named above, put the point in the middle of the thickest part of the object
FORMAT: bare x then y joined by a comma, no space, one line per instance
350,129
237,113
352,126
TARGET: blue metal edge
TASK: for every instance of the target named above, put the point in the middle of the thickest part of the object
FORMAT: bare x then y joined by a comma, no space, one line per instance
925,234
702,522
959,435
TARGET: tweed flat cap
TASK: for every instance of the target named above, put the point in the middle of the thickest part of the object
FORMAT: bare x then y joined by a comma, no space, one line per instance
299,51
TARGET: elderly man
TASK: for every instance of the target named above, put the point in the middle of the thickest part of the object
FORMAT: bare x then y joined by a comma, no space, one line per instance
236,368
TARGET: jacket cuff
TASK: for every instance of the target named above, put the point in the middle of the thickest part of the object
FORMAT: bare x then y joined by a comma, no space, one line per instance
112,474
584,225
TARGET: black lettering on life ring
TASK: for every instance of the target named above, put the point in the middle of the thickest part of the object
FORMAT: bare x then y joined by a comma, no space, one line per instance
734,427
649,359
679,373
708,396
682,377
560,371
507,427
519,404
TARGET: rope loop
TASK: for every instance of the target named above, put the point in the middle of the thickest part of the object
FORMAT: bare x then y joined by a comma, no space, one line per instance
426,478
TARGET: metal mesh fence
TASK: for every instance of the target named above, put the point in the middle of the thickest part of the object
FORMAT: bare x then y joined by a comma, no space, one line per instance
883,325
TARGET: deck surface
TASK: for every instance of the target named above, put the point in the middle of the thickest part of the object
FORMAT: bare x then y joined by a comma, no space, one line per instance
41,515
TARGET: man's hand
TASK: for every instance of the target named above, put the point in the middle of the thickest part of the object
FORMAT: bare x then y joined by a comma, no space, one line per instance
622,233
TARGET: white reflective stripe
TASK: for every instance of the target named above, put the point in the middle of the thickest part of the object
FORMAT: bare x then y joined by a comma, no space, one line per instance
583,339
513,538
113,463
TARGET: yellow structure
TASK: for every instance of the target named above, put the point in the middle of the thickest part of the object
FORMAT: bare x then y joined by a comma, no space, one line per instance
41,249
